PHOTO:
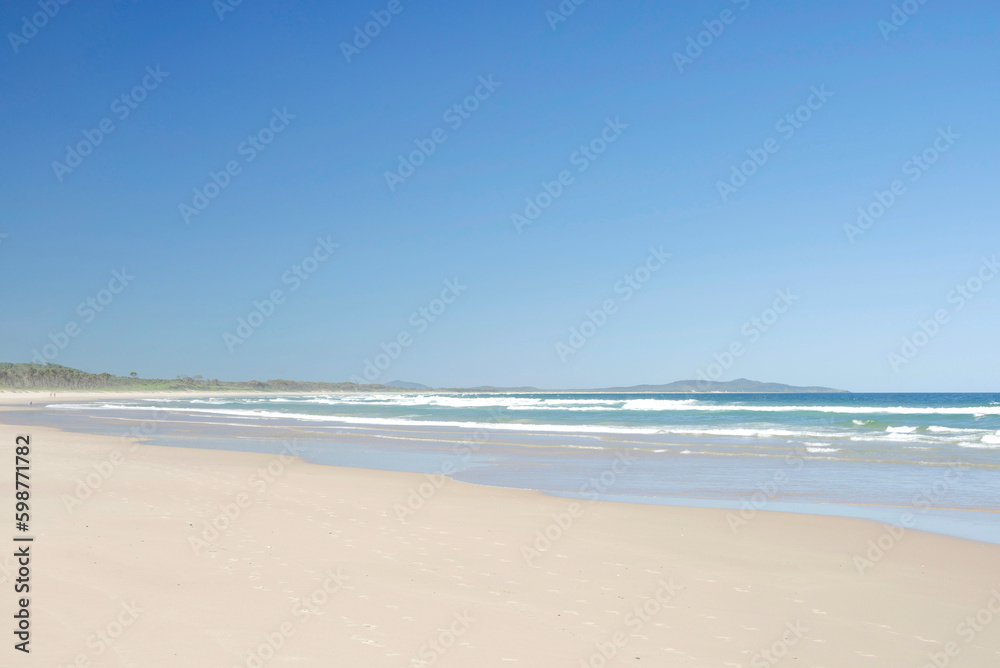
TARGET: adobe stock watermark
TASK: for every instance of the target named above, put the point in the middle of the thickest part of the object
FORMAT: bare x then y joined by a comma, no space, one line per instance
594,320
959,297
230,512
561,523
31,24
438,646
105,637
562,12
263,309
927,498
88,311
635,620
899,17
363,35
968,630
454,116
420,320
581,158
914,168
121,107
93,481
696,44
766,492
223,7
779,649
751,331
249,148
786,126
417,496
312,604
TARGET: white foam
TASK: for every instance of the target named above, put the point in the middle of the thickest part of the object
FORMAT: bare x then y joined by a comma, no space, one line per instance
694,405
267,407
658,404
558,403
979,446
453,401
895,437
381,422
558,408
951,430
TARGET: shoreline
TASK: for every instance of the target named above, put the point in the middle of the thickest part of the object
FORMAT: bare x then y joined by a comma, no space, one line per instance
376,565
398,390
430,443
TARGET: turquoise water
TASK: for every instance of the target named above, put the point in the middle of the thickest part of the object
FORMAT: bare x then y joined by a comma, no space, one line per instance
870,455
939,427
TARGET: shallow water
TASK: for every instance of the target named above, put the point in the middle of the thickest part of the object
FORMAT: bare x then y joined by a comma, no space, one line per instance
935,456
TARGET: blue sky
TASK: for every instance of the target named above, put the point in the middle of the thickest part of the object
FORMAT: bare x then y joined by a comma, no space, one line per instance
344,124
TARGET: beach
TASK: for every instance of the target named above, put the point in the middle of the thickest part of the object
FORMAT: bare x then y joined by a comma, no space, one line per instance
162,556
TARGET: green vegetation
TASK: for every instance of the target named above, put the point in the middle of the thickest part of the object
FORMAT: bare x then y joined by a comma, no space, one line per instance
56,376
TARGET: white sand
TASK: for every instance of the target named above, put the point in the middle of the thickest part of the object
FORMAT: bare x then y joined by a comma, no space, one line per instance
450,585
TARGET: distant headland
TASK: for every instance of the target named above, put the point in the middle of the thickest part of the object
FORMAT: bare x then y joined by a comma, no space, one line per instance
30,376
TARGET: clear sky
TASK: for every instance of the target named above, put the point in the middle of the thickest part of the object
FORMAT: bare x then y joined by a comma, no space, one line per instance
309,129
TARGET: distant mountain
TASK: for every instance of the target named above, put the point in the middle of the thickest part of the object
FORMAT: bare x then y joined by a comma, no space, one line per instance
24,376
738,385
407,385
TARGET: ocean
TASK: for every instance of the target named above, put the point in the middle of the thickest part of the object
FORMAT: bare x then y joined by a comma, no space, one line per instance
934,458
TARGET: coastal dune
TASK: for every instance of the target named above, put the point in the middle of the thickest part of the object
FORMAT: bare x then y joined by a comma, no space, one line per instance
161,556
